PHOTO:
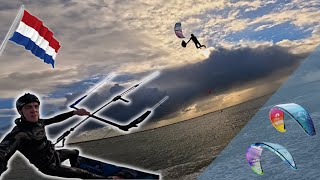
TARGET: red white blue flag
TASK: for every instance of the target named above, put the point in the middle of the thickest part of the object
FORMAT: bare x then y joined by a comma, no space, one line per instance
34,36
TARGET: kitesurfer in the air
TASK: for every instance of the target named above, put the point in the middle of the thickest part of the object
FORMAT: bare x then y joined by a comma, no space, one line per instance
196,42
29,138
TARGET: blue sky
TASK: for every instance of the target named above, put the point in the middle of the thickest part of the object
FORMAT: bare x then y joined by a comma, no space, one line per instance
275,34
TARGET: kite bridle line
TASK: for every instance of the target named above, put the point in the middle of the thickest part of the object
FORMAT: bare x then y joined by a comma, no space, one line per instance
119,97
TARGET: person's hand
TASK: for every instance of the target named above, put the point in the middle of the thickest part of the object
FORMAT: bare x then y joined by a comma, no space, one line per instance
81,112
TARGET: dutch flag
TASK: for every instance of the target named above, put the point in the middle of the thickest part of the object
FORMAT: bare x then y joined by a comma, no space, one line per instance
34,36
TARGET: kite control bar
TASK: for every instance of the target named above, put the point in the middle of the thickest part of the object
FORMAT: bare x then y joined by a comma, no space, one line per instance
134,123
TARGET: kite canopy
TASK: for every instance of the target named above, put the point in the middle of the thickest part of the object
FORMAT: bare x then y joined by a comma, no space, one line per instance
178,30
297,112
254,152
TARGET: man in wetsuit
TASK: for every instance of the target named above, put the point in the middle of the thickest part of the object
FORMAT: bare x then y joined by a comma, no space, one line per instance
29,137
196,42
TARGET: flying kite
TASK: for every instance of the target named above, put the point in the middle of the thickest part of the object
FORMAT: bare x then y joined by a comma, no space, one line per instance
179,34
254,152
297,112
178,30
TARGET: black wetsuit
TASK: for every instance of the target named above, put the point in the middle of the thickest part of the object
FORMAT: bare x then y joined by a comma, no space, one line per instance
196,42
30,139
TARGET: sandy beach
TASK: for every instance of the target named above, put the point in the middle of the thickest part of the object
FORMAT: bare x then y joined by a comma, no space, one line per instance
178,151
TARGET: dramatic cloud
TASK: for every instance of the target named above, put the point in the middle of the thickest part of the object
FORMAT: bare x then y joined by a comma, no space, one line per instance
226,71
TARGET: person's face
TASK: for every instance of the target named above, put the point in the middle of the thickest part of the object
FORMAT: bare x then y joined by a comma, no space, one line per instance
31,112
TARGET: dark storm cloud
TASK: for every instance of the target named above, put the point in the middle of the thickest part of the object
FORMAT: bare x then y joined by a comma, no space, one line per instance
224,70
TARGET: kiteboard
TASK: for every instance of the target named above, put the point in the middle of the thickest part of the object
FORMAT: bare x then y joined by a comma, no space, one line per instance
183,44
106,169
